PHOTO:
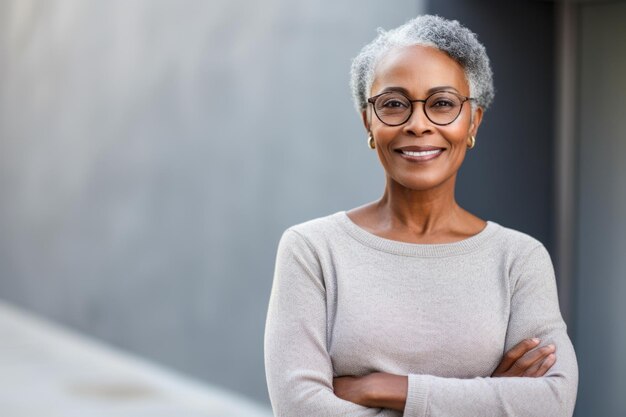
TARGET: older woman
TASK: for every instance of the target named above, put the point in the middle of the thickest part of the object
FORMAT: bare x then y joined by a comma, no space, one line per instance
411,305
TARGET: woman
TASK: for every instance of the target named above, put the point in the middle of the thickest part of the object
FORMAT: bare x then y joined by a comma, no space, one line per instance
411,305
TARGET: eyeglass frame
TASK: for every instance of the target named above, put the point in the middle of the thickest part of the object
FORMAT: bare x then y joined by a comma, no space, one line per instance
373,99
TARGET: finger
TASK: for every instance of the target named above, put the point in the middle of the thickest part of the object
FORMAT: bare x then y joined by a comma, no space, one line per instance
534,367
515,353
522,365
543,366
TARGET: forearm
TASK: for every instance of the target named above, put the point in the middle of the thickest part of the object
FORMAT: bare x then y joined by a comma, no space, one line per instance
376,390
494,396
478,396
301,387
391,392
529,397
312,399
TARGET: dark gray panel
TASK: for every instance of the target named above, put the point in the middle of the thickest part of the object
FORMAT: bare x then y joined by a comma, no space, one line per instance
601,278
508,176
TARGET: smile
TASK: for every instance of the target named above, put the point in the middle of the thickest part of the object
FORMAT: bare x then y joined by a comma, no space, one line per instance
423,153
420,156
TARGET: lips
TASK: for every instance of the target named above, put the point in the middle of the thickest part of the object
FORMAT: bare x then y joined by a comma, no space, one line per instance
420,153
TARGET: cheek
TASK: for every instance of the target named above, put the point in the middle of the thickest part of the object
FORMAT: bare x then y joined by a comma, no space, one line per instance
458,146
384,156
384,134
455,134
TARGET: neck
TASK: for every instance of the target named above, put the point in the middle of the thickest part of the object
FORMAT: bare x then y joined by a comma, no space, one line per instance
421,211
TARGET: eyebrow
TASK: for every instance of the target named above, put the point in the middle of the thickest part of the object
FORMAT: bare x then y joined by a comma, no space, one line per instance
430,90
441,88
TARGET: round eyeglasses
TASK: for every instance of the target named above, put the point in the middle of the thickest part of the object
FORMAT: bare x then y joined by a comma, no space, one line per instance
394,108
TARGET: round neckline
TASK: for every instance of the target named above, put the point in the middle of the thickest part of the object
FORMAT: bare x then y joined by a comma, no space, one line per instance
416,249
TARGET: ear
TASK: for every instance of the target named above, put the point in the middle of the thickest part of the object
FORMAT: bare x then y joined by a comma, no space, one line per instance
366,119
477,117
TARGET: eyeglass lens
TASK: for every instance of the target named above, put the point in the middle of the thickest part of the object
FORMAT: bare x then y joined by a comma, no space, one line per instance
395,108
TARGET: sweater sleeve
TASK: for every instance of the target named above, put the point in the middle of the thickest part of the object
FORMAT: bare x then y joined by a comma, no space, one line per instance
298,367
534,313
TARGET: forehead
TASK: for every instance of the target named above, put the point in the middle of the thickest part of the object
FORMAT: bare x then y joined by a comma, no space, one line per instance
418,68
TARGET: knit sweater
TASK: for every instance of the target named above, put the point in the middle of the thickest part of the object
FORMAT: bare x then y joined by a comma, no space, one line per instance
347,302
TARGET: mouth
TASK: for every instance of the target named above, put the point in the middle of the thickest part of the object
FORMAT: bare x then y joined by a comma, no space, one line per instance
420,153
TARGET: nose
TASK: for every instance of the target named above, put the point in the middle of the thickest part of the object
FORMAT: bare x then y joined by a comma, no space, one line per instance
418,124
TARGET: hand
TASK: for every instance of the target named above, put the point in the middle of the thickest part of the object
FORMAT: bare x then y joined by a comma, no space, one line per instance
375,390
524,360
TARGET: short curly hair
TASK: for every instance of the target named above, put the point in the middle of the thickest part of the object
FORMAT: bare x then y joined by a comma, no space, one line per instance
448,36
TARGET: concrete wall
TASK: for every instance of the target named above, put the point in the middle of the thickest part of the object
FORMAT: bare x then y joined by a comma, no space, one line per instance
152,152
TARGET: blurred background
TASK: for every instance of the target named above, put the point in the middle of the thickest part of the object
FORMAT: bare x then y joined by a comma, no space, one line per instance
152,152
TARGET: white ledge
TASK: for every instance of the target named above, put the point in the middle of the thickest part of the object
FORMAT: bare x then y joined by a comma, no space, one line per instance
47,370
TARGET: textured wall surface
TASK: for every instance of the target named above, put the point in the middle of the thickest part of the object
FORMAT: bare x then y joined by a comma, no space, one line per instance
152,152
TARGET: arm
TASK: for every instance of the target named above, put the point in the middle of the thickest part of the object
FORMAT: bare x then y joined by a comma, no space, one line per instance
384,390
534,310
298,367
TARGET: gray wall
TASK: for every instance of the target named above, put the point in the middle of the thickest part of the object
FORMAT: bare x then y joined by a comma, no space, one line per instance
600,333
151,153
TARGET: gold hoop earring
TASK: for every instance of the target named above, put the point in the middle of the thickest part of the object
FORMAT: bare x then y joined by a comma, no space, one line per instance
370,141
472,142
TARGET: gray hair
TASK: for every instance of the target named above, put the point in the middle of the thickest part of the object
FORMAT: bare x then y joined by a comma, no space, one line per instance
446,35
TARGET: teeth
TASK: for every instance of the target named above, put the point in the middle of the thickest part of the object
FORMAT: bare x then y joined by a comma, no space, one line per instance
423,153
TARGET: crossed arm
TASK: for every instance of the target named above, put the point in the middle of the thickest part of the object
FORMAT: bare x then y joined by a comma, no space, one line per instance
300,372
384,390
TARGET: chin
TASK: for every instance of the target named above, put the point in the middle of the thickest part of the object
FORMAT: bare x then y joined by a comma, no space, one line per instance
421,180
419,185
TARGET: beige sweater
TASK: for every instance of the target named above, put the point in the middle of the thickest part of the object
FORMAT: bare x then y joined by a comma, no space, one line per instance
347,302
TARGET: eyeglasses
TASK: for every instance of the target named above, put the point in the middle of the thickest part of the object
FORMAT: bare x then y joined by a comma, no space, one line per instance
394,108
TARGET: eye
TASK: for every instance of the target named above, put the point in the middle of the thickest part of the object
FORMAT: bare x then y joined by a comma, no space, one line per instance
393,103
443,103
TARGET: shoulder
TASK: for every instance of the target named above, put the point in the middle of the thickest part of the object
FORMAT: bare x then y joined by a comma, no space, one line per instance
309,243
313,236
315,231
524,253
515,241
